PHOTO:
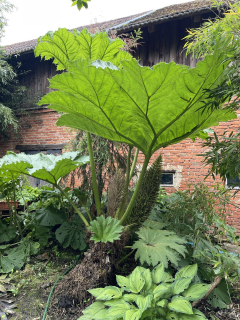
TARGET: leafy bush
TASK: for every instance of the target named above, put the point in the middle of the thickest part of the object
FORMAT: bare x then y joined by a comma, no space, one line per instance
199,214
146,294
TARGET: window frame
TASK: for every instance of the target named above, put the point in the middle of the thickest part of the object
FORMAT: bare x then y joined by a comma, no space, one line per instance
173,172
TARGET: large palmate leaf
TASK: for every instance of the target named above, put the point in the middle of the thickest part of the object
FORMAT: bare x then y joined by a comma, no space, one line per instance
146,107
64,46
156,246
50,216
105,229
49,168
7,233
72,233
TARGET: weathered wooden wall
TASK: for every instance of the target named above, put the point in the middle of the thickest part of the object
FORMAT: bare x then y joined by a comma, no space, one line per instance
164,42
37,72
161,42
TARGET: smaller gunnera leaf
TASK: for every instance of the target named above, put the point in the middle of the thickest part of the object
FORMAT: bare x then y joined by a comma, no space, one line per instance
156,246
105,229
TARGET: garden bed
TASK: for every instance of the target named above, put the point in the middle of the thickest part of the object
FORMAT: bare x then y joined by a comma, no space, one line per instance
37,278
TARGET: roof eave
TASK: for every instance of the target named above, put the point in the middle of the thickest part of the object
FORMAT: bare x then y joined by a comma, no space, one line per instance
176,16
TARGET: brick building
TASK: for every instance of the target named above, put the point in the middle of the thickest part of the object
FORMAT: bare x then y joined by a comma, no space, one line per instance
163,33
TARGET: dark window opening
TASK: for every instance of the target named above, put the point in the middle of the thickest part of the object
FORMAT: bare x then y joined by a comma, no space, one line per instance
233,182
167,178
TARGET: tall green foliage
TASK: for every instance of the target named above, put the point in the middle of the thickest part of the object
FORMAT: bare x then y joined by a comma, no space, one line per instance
119,100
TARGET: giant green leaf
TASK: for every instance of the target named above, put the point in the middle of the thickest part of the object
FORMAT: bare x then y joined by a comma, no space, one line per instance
146,107
49,168
64,46
156,246
12,165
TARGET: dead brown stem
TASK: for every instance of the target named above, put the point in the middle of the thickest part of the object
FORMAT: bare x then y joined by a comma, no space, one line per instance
215,283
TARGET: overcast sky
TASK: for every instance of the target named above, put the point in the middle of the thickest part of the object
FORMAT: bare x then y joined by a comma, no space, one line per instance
32,19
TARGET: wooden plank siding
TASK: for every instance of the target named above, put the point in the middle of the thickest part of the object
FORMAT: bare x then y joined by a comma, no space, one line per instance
165,43
161,42
37,73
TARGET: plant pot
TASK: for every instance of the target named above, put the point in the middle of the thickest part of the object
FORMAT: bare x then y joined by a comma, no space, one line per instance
4,205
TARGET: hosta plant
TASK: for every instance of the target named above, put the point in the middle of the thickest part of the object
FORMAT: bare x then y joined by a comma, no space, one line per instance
149,295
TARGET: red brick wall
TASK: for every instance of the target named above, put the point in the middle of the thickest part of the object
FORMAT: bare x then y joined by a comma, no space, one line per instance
39,127
181,157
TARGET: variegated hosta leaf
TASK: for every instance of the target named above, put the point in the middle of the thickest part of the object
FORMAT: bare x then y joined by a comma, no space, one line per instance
198,315
130,297
105,229
49,168
136,280
156,246
144,303
180,304
118,310
146,107
64,46
133,314
158,273
123,282
187,272
196,291
110,292
95,311
180,285
160,290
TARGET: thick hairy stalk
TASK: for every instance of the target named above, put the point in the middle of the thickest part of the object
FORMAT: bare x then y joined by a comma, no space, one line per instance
136,192
74,206
134,164
94,177
215,283
148,194
123,204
